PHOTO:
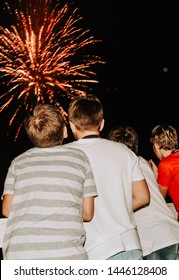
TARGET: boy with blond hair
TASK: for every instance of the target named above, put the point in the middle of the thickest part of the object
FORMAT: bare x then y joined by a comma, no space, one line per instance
49,191
165,146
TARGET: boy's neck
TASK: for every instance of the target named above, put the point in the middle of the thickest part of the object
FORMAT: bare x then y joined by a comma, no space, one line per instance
88,134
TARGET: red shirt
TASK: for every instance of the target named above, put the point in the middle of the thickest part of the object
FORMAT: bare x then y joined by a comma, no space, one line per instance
168,176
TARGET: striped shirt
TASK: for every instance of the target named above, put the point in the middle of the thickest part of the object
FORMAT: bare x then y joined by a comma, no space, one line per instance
45,220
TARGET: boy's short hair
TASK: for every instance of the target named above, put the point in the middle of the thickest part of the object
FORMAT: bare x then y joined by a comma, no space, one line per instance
45,128
165,136
86,112
126,135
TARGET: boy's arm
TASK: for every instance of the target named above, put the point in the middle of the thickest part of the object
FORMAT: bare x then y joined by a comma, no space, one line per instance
140,194
6,204
88,211
163,190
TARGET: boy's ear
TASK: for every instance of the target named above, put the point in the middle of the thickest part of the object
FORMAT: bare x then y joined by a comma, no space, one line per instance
102,125
65,132
72,126
156,145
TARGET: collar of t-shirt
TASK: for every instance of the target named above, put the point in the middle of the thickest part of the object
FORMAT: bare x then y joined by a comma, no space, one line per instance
91,136
175,151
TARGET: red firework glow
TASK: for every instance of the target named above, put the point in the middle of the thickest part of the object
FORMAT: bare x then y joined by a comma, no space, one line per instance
43,56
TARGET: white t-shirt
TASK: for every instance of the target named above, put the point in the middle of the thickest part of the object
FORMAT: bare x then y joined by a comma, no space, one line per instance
156,223
113,228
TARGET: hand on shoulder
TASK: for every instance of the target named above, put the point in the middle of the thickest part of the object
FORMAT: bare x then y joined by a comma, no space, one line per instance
154,168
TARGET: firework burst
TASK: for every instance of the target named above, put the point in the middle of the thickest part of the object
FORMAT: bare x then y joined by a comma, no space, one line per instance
44,56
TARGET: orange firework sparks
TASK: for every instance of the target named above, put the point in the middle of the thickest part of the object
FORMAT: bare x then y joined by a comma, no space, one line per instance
43,55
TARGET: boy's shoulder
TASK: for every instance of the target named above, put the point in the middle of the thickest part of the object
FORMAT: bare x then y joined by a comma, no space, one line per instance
69,147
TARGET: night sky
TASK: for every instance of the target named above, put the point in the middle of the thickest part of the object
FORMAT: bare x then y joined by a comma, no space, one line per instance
139,84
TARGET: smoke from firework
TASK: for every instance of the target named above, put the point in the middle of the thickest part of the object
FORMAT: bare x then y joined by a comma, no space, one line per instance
44,56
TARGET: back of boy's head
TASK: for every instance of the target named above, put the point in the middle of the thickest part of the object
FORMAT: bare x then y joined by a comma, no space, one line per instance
165,136
86,112
126,135
45,128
